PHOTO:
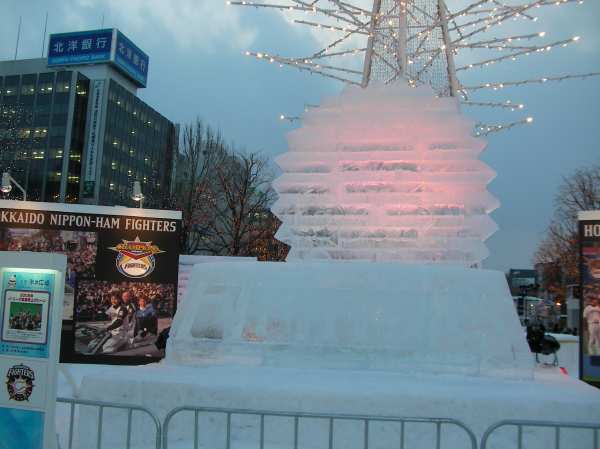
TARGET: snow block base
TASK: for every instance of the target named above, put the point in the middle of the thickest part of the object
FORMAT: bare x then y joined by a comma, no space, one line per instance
350,315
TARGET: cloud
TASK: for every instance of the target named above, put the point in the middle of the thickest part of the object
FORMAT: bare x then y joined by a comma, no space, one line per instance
205,25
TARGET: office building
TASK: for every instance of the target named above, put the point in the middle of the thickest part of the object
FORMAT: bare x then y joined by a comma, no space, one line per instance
72,128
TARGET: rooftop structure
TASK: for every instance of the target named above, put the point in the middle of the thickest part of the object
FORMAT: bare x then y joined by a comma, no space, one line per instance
72,128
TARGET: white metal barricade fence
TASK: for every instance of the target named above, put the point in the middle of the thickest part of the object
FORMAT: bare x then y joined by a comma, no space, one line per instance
330,421
101,407
521,425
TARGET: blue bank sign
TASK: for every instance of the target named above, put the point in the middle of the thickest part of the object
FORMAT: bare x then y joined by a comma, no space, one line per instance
99,46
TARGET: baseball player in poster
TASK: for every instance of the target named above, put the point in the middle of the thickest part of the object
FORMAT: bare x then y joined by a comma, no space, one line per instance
591,314
122,316
146,320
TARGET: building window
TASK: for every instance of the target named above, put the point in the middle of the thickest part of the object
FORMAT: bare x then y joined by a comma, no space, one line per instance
46,88
40,132
62,86
27,89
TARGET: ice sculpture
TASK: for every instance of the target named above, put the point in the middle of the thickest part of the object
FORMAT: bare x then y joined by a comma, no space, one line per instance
385,173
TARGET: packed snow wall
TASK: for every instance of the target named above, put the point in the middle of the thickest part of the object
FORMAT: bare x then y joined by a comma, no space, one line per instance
350,316
386,173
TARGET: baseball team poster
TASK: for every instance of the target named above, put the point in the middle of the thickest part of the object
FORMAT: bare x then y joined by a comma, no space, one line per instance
589,231
120,284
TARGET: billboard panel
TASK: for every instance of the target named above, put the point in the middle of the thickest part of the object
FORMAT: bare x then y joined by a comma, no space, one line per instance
589,235
100,46
130,59
121,279
82,47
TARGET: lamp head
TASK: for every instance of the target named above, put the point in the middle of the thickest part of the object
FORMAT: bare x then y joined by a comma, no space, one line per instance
6,183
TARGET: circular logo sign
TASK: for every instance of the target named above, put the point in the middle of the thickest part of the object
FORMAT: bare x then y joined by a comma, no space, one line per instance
135,259
19,382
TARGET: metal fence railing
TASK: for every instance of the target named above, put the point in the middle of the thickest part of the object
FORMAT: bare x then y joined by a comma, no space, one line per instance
521,425
101,407
364,425
330,421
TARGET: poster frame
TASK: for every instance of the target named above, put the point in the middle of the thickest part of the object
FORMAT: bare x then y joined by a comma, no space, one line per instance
68,353
40,360
583,217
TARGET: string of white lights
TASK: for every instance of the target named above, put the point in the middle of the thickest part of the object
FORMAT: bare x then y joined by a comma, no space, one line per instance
528,50
492,104
418,40
482,129
502,85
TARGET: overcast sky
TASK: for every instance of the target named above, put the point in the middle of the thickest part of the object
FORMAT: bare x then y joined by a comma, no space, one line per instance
197,68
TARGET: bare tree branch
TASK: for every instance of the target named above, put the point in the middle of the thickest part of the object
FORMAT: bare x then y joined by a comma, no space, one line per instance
558,252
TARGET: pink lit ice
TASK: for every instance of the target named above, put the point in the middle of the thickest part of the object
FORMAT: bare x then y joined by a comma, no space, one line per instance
386,173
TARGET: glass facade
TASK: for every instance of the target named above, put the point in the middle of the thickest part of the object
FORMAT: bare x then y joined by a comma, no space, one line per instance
82,88
139,145
33,129
39,112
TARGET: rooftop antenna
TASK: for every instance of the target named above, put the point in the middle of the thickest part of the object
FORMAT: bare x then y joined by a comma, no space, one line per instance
44,35
18,37
102,25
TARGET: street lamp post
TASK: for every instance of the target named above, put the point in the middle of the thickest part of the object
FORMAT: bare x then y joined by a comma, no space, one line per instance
7,185
137,195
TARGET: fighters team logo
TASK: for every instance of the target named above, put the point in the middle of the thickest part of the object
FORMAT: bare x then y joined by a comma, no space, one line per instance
12,281
19,382
136,258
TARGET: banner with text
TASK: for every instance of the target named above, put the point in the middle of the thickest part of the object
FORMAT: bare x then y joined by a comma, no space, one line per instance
121,279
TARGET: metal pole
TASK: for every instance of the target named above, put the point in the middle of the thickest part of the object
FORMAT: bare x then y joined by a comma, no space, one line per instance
18,37
44,35
453,80
370,43
402,32
19,187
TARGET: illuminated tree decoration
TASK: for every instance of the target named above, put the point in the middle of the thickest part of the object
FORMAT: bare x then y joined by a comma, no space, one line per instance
389,170
419,40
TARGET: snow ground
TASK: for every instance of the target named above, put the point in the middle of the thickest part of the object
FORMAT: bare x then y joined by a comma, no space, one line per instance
435,342
477,401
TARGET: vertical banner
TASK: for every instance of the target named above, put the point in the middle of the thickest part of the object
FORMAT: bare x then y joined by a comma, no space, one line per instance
589,235
121,277
132,60
30,309
93,139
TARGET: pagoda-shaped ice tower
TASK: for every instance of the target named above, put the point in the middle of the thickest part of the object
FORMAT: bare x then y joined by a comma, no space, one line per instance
385,173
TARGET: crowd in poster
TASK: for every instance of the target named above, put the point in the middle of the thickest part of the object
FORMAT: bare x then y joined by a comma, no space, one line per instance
24,326
590,310
25,316
121,279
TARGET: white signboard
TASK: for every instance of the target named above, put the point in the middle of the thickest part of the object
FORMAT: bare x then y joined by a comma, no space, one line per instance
31,300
